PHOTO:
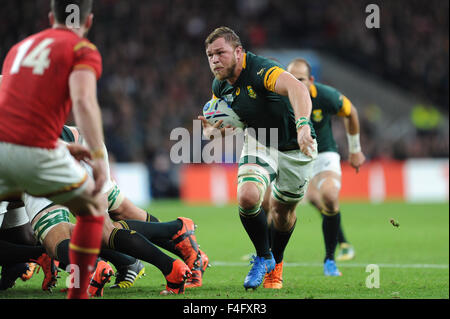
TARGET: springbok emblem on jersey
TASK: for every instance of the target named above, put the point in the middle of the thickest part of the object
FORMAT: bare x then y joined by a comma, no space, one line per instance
317,115
251,92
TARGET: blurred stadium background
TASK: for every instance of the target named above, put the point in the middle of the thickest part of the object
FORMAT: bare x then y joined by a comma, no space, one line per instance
156,78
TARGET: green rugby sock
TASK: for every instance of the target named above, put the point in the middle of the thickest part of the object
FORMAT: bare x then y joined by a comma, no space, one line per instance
152,230
134,244
157,232
330,227
280,240
340,236
16,253
257,229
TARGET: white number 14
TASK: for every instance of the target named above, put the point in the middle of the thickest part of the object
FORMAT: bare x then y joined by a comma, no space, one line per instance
36,59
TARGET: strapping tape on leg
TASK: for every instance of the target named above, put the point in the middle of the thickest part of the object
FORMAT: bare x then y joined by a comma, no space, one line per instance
50,220
115,198
260,178
336,182
286,197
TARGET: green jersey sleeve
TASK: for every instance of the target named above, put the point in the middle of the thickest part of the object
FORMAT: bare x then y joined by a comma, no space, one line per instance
333,101
265,72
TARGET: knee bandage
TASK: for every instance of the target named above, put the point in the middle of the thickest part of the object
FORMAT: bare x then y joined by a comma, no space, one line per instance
336,182
49,220
287,197
260,178
115,198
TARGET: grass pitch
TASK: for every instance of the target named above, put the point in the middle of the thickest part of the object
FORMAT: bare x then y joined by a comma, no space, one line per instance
413,259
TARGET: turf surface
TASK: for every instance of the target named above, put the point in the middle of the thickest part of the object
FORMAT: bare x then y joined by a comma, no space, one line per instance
413,259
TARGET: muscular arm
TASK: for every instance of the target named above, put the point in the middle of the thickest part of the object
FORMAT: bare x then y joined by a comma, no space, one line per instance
300,100
297,92
87,114
351,122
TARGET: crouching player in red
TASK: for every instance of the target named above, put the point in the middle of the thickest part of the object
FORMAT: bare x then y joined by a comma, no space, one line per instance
52,228
44,77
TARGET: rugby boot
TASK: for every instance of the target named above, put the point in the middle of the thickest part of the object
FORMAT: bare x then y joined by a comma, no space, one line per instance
186,242
177,278
101,276
126,276
50,271
29,272
274,279
330,268
261,267
346,252
200,265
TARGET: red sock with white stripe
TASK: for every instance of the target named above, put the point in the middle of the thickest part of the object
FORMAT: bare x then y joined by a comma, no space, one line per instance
84,248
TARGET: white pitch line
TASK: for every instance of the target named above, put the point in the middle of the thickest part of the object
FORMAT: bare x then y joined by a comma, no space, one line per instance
343,265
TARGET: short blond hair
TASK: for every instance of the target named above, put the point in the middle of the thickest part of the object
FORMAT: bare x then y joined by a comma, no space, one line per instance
224,32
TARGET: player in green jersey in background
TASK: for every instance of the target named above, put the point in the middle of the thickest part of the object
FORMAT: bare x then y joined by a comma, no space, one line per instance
267,99
323,191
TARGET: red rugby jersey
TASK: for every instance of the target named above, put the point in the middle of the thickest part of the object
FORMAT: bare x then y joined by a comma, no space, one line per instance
34,92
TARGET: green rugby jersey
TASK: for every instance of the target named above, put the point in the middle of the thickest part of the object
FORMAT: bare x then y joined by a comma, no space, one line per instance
252,97
327,102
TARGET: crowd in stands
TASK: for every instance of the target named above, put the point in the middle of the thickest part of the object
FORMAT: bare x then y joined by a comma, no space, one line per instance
156,76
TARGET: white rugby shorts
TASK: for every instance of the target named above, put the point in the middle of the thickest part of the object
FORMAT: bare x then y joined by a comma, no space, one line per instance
50,173
290,171
327,161
12,218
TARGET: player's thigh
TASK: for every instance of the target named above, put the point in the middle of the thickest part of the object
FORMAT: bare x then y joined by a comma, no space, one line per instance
294,174
328,182
50,222
312,193
257,168
326,171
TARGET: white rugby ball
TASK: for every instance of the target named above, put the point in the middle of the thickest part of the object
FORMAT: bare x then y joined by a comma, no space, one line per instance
218,109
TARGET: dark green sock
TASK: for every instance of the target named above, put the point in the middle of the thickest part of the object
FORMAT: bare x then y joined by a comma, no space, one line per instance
16,253
330,227
341,236
134,244
157,232
151,218
152,230
280,240
62,253
257,229
118,259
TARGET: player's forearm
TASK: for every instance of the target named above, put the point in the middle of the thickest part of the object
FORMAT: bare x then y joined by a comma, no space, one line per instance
86,111
297,93
87,116
301,102
352,122
352,127
1,80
